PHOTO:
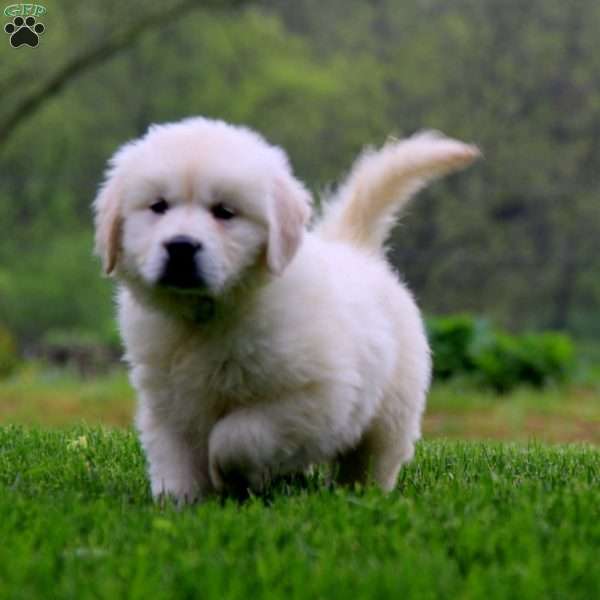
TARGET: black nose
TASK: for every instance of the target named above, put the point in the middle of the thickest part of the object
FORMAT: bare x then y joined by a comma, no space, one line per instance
181,269
182,247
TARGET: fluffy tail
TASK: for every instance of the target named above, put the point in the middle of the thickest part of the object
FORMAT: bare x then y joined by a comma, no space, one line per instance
364,208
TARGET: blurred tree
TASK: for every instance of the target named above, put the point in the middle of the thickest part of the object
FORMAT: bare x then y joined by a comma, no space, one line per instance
119,35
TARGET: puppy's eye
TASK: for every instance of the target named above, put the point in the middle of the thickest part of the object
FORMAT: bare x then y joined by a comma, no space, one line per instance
222,212
160,207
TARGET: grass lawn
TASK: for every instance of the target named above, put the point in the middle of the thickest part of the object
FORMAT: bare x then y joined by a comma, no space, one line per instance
468,520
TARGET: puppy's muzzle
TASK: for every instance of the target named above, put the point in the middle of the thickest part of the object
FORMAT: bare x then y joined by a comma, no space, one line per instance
181,269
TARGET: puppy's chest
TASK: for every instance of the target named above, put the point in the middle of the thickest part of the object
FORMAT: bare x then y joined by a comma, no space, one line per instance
206,377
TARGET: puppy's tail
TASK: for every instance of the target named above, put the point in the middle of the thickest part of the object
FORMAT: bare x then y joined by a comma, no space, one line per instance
363,210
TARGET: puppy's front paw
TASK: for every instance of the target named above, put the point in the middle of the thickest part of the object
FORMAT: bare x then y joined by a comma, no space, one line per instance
241,452
179,492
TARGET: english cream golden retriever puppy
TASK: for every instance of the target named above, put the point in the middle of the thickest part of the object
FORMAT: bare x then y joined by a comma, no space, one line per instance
257,345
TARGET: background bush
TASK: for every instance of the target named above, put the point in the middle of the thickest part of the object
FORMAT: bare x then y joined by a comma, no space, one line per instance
463,345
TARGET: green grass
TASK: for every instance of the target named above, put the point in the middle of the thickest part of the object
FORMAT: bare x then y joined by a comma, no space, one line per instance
468,520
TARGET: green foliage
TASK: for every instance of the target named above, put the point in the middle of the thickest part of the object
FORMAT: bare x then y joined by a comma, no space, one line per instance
80,338
9,358
56,286
534,359
462,345
466,521
451,340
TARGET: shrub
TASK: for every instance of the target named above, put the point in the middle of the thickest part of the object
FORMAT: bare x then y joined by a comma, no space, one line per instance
455,342
462,345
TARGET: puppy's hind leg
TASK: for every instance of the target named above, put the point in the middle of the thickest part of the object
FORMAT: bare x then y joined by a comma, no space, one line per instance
387,444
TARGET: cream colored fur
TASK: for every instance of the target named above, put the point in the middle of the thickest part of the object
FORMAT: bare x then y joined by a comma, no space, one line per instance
303,347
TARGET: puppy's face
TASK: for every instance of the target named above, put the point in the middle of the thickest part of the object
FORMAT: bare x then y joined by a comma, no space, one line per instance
191,207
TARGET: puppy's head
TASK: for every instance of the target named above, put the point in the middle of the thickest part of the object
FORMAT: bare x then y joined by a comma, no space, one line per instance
191,207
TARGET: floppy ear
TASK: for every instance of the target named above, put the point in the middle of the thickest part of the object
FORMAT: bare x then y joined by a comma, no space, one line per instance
290,211
108,223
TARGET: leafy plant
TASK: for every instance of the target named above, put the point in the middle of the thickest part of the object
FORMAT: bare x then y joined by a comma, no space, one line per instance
463,345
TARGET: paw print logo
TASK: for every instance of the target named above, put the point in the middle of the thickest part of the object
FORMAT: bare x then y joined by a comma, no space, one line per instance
24,31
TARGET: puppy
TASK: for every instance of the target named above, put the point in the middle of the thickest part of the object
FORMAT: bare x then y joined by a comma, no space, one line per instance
257,346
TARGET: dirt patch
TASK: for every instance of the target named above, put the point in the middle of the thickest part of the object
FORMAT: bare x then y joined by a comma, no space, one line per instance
487,424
